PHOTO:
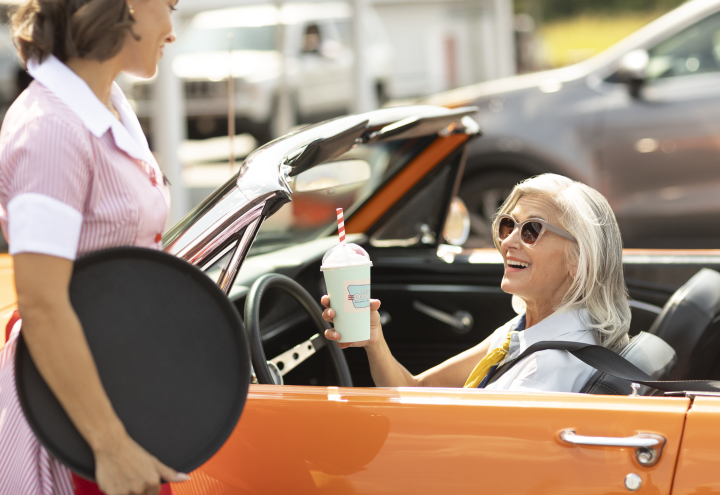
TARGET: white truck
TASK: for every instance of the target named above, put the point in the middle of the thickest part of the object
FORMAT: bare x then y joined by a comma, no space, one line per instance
244,42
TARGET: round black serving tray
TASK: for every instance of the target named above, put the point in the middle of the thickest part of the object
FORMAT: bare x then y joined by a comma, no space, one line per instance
171,352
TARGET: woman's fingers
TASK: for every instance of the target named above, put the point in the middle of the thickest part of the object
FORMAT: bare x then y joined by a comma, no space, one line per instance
170,475
331,334
153,489
328,315
325,301
374,304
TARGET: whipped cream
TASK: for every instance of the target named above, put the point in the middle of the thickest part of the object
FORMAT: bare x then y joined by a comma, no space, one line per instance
345,256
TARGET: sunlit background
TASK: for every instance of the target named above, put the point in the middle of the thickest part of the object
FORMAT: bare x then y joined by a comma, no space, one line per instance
260,70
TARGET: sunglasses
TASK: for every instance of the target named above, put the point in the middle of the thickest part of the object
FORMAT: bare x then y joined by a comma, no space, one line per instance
531,230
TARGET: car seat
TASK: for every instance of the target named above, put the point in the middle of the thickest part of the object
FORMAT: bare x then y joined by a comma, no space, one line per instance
690,323
646,351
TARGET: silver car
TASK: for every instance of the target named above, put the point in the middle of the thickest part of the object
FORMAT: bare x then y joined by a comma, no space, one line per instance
640,122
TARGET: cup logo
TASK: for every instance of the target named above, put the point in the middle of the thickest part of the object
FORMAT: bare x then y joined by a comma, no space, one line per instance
356,295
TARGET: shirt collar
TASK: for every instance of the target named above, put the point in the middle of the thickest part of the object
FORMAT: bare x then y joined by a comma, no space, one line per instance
554,327
77,95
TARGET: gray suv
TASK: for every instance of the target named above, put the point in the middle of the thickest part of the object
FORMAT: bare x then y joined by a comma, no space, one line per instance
640,122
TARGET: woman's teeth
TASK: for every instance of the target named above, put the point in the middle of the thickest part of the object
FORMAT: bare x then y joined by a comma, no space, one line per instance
517,264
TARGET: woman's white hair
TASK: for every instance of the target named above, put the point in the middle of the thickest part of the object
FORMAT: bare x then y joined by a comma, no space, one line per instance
599,284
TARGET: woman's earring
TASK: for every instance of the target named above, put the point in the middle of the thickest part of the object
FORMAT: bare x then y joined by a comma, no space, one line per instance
131,10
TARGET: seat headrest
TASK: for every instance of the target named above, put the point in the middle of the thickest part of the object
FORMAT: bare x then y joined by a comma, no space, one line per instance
689,323
646,351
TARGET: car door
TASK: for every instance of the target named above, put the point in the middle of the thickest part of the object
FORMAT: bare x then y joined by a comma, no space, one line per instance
322,440
661,150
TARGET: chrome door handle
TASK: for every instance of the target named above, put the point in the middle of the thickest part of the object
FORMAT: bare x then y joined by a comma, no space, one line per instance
461,321
649,446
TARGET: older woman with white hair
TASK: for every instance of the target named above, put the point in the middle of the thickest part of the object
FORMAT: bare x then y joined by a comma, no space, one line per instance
562,252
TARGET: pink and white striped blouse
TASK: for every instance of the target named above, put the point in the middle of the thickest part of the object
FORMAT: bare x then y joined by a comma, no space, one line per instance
73,179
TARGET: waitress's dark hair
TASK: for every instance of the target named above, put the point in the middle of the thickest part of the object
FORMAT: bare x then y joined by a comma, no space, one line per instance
92,29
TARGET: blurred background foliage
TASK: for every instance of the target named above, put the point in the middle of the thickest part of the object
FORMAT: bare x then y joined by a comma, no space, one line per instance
563,32
558,9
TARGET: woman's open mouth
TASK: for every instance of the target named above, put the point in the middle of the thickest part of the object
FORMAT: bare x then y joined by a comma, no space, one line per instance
521,265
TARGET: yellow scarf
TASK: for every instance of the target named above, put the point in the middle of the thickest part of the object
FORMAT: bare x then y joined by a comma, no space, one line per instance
492,358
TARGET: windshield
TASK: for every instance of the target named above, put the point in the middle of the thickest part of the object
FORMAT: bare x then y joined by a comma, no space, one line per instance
197,39
311,214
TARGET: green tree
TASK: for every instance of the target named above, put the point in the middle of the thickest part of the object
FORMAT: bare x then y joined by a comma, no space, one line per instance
546,10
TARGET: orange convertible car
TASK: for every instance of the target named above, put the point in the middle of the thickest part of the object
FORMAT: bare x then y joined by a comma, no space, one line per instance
307,429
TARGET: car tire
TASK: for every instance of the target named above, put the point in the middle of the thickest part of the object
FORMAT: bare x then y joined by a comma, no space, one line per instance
483,194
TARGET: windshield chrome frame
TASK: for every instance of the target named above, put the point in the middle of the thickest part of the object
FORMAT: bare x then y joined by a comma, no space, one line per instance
233,214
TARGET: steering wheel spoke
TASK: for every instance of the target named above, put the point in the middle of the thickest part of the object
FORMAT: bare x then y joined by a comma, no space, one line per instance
290,359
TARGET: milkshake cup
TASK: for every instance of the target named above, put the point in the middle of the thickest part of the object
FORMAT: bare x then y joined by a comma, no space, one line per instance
346,268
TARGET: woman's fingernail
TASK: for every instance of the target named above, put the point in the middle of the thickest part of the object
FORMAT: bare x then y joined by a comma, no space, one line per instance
183,477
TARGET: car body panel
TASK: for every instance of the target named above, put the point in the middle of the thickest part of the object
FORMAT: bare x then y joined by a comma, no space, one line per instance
700,450
408,440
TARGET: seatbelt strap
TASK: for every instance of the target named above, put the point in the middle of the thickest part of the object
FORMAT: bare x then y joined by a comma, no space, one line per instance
607,361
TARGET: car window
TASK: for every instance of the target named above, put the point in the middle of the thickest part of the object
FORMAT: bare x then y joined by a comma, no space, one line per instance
312,39
343,30
416,221
695,50
206,39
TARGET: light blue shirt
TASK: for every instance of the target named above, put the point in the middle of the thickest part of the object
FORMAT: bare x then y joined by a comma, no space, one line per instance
550,370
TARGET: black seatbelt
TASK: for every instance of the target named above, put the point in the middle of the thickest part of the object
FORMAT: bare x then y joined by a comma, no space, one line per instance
606,361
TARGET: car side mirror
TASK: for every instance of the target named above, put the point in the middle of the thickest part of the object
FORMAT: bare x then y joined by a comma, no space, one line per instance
457,223
633,70
332,175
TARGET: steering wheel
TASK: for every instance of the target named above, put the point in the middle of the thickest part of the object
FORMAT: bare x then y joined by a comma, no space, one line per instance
271,372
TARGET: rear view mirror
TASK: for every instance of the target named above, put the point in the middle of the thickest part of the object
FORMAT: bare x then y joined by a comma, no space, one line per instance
332,175
457,224
633,70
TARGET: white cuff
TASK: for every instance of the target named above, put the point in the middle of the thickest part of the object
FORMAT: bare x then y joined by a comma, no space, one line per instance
44,225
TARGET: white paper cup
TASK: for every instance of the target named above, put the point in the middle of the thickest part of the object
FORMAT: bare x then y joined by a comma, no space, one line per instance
349,291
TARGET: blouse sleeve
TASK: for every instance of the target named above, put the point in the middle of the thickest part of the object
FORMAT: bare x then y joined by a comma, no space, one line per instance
49,184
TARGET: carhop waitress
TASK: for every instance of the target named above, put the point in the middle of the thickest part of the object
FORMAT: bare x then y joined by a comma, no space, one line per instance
76,176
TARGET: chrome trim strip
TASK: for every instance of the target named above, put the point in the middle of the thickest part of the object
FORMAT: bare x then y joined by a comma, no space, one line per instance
229,273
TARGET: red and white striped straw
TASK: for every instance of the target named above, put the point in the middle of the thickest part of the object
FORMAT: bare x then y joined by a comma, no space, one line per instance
341,225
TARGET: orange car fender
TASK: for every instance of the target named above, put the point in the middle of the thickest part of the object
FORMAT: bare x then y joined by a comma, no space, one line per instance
697,468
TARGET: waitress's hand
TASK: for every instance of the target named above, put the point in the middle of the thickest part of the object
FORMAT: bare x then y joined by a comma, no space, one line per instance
375,327
125,468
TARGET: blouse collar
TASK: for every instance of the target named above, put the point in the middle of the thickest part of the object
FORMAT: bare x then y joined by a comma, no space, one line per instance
97,118
557,326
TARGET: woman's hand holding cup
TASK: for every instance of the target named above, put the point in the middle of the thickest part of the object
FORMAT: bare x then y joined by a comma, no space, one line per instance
375,327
